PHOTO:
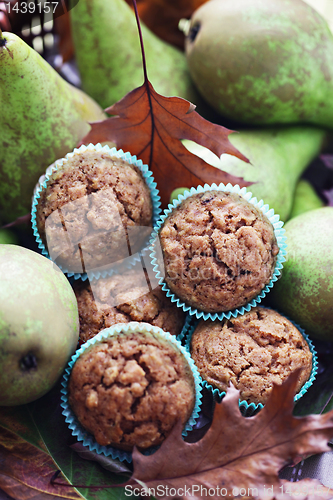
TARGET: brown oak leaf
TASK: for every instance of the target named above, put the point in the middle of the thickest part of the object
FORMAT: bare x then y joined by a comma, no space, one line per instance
238,457
151,126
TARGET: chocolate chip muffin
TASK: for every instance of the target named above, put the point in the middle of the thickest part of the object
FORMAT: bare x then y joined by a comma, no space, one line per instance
131,388
252,351
219,251
93,211
122,298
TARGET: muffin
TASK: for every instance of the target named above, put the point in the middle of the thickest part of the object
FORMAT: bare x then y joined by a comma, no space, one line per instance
122,298
131,386
94,209
252,351
219,251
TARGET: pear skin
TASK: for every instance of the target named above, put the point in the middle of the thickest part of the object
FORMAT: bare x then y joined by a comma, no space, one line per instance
42,118
108,55
176,192
305,199
305,289
263,62
278,157
39,324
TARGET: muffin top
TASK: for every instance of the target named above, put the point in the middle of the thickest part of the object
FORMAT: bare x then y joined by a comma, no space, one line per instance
92,211
122,298
251,351
219,251
131,389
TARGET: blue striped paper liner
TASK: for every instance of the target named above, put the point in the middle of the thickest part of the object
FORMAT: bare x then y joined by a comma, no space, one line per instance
78,430
278,231
42,183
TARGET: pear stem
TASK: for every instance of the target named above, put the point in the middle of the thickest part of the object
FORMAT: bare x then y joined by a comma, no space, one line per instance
141,41
3,40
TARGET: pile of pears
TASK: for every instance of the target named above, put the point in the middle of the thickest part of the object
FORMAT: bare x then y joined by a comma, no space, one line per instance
266,66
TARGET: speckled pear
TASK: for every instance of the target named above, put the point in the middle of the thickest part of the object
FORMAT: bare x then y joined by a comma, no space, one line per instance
263,62
39,324
305,290
278,156
305,199
42,118
108,55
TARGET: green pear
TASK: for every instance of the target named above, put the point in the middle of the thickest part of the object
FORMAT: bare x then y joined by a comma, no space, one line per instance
108,55
39,324
176,192
8,237
42,118
305,199
324,7
263,62
278,157
305,290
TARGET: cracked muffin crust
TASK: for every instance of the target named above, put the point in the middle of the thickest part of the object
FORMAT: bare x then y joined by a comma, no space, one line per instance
131,389
122,298
93,210
219,251
252,351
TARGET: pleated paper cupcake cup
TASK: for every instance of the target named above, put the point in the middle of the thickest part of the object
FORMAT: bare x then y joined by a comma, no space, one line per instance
124,263
186,327
279,232
86,437
249,409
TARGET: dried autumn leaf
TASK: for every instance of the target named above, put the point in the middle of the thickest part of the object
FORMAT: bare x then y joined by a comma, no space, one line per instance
238,455
162,17
152,126
4,18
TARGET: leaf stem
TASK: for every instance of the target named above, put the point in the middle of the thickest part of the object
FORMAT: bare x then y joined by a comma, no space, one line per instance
141,40
146,82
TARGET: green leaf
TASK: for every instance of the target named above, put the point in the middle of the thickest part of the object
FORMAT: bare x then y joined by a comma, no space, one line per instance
26,470
17,419
42,424
46,413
